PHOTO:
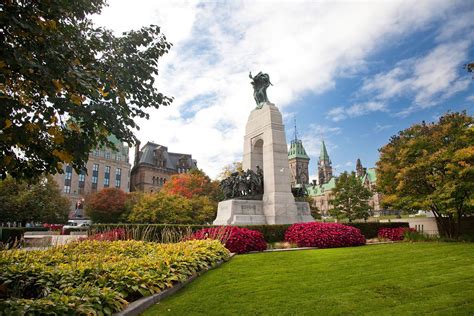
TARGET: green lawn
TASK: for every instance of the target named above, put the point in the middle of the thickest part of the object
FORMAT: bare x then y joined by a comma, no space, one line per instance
414,278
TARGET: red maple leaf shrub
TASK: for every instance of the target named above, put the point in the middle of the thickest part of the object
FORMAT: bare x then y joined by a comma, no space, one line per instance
236,239
394,234
111,235
324,235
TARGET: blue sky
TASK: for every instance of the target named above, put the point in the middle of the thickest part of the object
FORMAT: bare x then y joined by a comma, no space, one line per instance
352,73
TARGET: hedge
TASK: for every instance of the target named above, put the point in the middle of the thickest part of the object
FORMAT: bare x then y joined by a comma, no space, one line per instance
36,229
370,230
8,235
173,232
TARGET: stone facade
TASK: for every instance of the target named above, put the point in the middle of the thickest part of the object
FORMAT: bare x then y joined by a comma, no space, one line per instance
154,165
105,168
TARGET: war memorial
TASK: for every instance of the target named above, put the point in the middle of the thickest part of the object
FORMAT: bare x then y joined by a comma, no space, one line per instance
262,194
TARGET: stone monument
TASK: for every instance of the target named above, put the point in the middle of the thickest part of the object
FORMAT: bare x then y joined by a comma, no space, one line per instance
265,149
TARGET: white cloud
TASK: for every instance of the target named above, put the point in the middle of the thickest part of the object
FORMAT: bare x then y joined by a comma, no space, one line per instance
340,113
379,127
304,46
428,80
470,98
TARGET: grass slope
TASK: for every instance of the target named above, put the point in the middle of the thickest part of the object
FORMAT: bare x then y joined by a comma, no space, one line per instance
414,278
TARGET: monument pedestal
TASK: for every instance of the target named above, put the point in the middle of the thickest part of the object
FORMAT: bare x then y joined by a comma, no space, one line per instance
249,212
265,146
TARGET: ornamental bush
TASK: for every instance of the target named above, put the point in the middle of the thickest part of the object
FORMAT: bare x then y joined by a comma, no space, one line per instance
394,234
236,239
324,235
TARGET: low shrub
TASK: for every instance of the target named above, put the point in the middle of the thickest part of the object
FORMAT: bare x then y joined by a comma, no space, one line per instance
324,235
97,277
370,229
271,233
394,234
236,239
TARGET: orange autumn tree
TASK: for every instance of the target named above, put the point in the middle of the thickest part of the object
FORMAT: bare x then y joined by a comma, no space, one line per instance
192,184
106,206
200,190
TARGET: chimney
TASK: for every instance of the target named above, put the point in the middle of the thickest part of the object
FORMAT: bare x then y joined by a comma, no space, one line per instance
137,152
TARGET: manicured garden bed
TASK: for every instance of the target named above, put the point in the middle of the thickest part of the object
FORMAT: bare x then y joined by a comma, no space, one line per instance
401,278
97,277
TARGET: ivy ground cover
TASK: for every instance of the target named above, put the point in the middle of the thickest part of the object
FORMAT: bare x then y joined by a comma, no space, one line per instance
391,279
97,277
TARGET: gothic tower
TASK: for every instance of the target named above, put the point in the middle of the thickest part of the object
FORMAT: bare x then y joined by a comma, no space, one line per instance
360,171
299,162
324,166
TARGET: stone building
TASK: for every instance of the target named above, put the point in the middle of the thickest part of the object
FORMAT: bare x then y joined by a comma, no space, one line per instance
299,162
106,168
154,165
321,190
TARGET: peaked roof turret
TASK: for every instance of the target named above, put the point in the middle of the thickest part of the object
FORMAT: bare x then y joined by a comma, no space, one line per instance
297,150
324,153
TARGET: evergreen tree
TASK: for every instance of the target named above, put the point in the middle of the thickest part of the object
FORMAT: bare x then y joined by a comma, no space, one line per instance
350,198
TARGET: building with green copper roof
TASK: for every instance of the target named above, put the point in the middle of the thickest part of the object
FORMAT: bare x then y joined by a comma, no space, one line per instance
321,189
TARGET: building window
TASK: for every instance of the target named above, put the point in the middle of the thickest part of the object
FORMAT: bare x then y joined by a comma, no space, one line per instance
118,157
107,155
68,175
107,171
106,182
117,183
118,171
95,167
96,153
95,179
82,177
67,189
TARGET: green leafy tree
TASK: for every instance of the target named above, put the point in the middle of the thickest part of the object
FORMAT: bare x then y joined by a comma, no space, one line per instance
162,208
106,206
204,210
350,198
67,85
38,202
431,167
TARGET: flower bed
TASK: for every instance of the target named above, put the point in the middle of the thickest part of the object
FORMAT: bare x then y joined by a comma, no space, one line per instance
394,234
236,239
97,277
324,235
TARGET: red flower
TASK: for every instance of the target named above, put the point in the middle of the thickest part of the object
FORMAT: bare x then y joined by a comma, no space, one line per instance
236,239
324,235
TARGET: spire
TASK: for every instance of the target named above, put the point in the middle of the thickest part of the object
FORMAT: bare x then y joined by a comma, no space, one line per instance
360,171
324,153
296,148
